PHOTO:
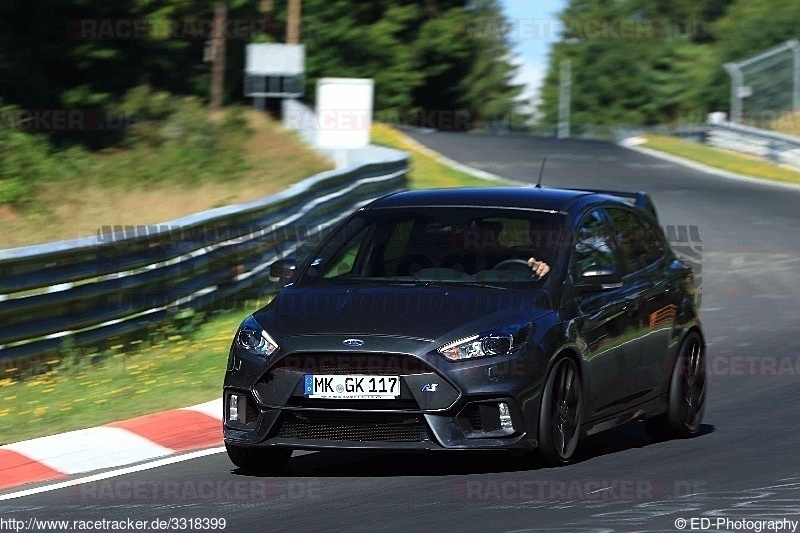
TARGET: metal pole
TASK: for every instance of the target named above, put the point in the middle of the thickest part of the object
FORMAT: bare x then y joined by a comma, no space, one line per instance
565,88
736,83
794,46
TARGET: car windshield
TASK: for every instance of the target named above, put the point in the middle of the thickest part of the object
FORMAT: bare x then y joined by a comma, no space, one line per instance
441,245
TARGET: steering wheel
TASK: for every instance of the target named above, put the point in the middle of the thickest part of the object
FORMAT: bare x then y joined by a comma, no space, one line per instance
503,265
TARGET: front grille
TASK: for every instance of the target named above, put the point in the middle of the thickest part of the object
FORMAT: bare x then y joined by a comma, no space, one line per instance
355,427
354,363
473,415
252,410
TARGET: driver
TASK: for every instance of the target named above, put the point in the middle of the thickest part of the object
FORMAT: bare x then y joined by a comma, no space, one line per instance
488,235
539,268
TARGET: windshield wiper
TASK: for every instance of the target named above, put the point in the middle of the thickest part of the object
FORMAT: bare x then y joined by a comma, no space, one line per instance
458,283
484,285
426,283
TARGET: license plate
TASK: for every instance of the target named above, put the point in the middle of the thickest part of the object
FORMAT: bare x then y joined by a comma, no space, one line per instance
348,387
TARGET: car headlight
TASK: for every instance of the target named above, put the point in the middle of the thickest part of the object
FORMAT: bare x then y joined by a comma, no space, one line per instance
502,341
252,337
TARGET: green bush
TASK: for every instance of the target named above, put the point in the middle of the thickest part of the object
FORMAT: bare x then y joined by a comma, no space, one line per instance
145,109
190,147
24,162
169,139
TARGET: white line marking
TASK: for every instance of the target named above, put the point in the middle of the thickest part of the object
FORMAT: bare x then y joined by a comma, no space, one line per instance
114,473
599,490
212,409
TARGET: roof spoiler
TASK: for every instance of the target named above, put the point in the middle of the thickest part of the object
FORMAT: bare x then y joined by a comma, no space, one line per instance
639,199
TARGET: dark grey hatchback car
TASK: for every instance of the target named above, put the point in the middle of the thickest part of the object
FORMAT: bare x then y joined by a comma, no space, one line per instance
420,324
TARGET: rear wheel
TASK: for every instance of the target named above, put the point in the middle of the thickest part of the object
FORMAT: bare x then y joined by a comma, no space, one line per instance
562,413
258,460
687,394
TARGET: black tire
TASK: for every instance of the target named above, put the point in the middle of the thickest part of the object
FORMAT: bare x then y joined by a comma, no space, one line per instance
687,394
561,413
258,460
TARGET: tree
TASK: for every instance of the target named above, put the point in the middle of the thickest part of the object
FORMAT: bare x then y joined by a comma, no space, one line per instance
636,61
422,54
488,87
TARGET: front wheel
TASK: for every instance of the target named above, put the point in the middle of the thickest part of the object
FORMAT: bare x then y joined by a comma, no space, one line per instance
687,394
561,413
258,460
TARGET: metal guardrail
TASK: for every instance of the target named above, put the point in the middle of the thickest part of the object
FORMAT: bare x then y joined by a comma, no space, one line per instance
774,147
124,281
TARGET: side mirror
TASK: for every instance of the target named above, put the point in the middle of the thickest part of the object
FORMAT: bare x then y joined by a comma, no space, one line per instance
282,270
599,278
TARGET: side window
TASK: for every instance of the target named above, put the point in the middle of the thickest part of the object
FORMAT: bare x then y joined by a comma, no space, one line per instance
640,243
593,245
654,242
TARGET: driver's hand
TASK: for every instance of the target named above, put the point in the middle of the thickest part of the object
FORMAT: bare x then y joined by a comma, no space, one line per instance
540,268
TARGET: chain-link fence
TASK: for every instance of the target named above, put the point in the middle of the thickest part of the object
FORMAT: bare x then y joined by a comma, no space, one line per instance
767,86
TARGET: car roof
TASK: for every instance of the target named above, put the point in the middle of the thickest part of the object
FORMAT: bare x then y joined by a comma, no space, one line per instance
540,199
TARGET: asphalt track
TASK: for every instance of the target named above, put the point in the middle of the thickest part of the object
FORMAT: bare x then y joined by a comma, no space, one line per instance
744,465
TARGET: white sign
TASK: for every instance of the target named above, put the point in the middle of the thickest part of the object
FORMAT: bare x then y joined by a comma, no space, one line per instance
276,59
344,112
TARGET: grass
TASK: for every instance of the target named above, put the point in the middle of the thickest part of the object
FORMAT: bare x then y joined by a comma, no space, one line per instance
425,171
135,380
152,377
722,159
788,124
149,185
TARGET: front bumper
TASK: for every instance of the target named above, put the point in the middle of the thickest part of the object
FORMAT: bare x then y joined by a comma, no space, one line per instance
462,413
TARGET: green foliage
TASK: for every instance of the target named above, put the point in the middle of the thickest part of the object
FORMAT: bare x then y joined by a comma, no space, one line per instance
748,28
53,53
421,54
95,388
169,139
488,85
172,139
23,159
671,68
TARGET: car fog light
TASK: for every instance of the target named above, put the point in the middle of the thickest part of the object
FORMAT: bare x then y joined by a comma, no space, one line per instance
233,407
505,416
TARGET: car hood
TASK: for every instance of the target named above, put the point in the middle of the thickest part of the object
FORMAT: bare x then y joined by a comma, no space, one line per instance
422,313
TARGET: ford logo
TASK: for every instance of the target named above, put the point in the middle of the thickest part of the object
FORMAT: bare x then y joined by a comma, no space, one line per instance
353,342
